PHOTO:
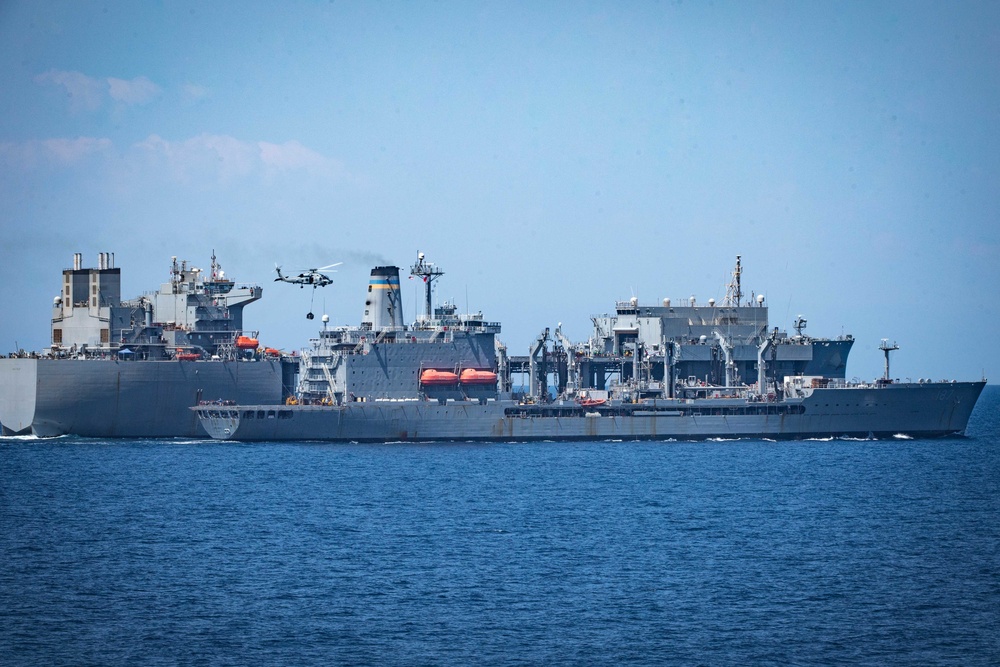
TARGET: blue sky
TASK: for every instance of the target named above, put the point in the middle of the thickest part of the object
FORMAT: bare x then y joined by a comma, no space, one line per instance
551,157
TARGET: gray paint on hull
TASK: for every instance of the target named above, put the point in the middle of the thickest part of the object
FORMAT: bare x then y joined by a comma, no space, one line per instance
919,410
104,398
18,383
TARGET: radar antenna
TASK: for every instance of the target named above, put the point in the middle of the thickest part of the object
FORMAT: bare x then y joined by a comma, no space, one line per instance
799,324
734,293
428,273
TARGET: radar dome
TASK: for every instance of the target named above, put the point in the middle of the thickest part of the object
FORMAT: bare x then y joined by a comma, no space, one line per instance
634,301
760,299
711,303
325,318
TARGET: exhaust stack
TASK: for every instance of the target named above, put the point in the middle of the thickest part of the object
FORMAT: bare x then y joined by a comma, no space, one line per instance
383,305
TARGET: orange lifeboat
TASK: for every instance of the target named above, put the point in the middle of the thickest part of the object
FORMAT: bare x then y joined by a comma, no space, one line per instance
438,378
271,352
592,402
188,356
246,343
473,376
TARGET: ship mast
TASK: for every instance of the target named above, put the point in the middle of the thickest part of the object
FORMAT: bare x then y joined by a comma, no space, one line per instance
428,273
886,348
734,293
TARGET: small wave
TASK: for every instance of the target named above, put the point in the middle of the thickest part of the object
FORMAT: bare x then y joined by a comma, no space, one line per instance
34,438
820,439
902,436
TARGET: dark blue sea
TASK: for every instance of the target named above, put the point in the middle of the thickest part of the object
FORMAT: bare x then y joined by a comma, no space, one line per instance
145,552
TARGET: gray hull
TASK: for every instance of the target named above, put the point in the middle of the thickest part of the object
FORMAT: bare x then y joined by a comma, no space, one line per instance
916,410
104,398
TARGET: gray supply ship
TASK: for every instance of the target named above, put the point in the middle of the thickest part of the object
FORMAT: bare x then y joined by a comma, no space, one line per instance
661,372
133,368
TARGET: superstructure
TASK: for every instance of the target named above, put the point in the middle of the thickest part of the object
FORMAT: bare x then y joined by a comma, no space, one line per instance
653,348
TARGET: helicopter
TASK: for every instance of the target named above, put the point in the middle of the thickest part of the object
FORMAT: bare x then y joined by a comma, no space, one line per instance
312,277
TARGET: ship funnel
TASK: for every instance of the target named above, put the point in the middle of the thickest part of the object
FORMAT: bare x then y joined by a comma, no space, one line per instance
77,261
383,305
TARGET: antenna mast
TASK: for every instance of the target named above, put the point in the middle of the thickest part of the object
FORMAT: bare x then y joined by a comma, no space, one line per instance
886,348
734,293
428,273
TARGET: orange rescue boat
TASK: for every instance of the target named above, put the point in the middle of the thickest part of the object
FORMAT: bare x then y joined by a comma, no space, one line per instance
438,378
246,343
473,376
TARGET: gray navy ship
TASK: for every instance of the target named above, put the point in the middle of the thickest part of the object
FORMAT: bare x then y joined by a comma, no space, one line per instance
691,371
134,368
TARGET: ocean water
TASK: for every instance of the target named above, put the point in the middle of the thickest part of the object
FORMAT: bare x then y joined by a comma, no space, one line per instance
145,552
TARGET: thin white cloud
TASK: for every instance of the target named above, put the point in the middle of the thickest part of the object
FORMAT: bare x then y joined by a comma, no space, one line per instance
69,151
194,93
139,90
291,155
225,158
53,152
85,93
204,160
